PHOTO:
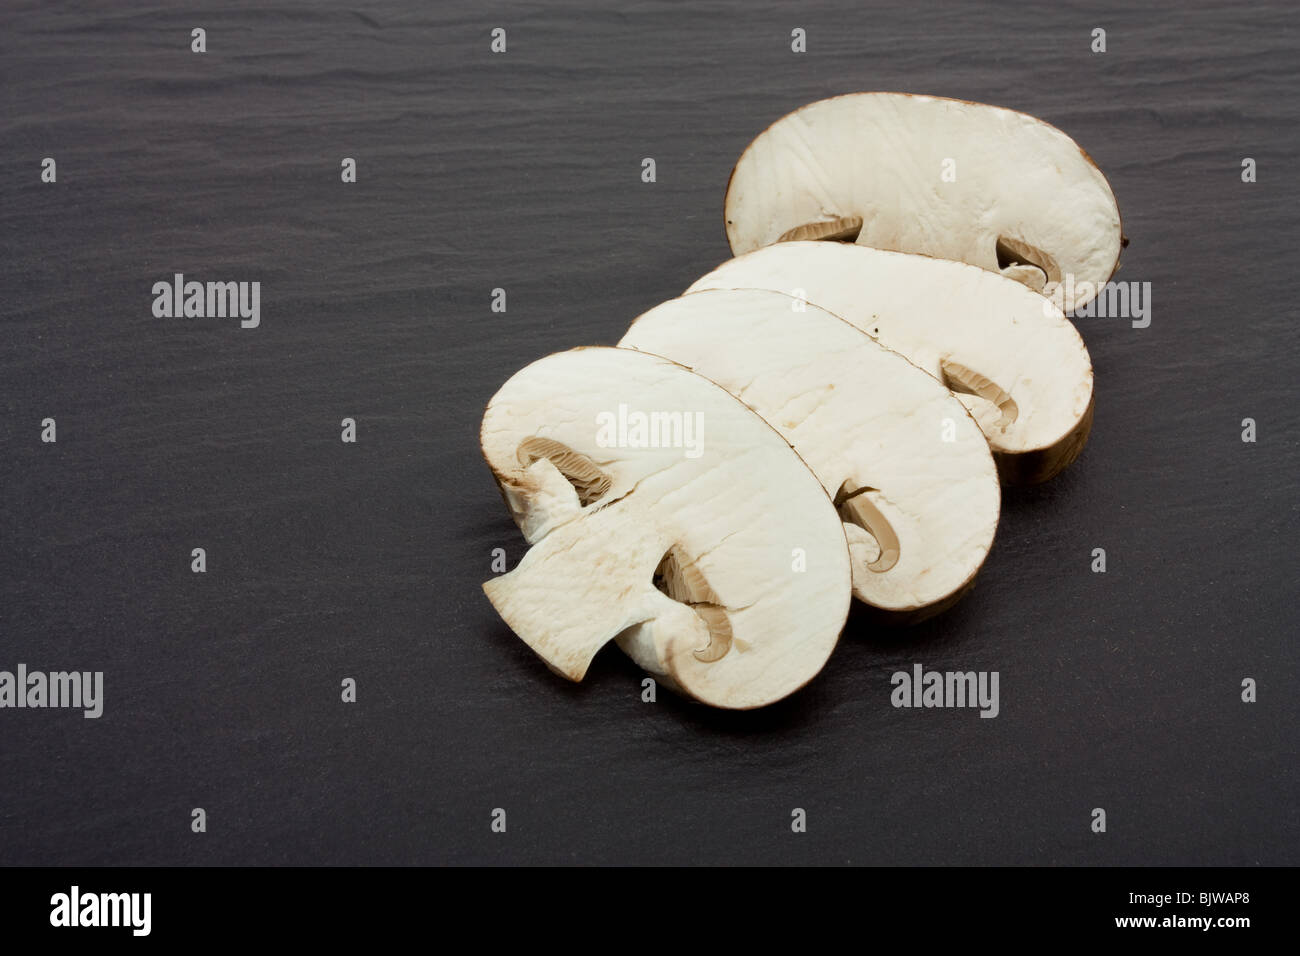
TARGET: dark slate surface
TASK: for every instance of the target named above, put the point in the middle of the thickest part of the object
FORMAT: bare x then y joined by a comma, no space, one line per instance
1118,690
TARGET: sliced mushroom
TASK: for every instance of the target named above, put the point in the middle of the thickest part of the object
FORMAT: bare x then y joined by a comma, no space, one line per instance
949,178
1017,363
626,471
908,468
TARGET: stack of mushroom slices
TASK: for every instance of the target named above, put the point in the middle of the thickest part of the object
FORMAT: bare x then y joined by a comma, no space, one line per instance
827,416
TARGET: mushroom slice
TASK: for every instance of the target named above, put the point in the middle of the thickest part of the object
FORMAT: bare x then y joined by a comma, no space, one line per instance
908,468
1015,360
949,178
664,513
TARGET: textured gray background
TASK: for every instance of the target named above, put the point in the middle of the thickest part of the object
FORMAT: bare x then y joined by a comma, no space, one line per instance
522,170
